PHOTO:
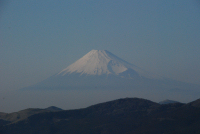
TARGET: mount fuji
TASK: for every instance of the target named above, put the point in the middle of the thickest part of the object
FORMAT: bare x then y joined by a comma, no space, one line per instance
102,70
103,62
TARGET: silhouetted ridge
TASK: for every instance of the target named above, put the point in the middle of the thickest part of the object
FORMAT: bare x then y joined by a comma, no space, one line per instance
128,115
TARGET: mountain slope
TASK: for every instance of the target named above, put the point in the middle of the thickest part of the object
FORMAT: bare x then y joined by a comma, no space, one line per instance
195,103
168,101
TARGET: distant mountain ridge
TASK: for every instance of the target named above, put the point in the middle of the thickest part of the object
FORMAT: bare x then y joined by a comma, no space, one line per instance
127,115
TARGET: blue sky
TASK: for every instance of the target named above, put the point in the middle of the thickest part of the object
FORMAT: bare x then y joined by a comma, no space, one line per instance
39,38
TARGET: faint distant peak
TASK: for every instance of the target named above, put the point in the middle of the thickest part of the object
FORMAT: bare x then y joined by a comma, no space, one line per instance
53,108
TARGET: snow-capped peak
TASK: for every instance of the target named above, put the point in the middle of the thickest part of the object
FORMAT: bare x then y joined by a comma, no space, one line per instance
99,62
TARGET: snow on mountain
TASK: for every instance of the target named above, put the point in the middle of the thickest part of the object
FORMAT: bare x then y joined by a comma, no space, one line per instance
103,62
101,70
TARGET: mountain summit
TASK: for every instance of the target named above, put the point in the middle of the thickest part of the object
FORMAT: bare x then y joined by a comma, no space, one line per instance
98,62
103,62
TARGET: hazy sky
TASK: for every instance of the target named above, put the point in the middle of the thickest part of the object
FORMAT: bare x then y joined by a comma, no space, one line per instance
39,38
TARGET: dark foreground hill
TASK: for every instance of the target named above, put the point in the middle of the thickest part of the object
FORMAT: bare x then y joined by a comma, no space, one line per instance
123,116
23,114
